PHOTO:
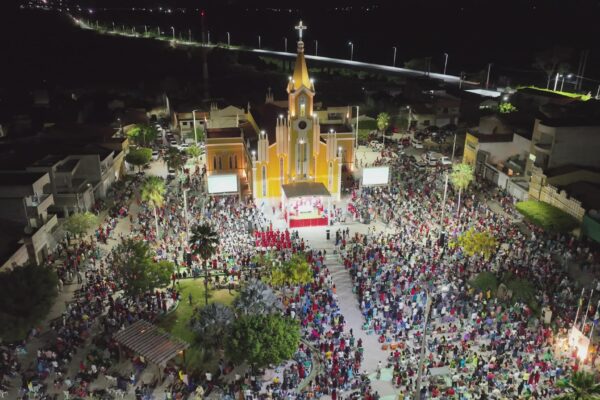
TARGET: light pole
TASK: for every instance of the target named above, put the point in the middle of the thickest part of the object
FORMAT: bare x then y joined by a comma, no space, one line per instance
145,30
460,80
409,117
259,41
445,62
207,37
417,395
113,23
285,44
228,40
556,81
173,30
351,50
195,131
316,47
189,35
487,81
563,81
394,61
158,30
356,134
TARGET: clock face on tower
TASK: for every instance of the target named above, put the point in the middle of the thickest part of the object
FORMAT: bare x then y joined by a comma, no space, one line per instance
303,124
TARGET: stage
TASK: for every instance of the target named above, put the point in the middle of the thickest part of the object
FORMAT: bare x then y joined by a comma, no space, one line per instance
303,204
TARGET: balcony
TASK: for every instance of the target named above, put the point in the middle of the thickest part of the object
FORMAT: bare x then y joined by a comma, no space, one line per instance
37,205
545,148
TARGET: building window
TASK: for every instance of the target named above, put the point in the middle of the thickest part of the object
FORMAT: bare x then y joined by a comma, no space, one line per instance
230,162
264,180
303,106
235,164
426,122
220,163
214,162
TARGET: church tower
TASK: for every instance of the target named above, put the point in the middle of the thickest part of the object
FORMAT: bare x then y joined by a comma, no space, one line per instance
300,152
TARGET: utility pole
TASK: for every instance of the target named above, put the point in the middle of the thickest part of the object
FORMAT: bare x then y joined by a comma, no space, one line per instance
487,82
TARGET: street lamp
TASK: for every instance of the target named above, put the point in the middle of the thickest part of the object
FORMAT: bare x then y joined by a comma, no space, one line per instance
195,131
113,23
563,81
316,47
207,37
285,44
394,62
228,39
185,215
145,29
259,41
173,30
351,50
189,35
356,135
445,62
158,30
487,81
444,289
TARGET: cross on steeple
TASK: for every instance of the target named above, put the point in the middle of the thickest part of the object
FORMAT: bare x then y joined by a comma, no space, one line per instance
300,28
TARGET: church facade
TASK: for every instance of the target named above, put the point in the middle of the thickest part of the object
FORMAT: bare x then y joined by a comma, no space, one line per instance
300,151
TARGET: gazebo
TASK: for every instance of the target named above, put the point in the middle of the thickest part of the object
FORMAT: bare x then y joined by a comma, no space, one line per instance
148,341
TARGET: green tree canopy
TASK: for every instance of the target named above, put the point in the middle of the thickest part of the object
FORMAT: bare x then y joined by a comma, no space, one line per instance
26,294
139,157
136,269
212,324
581,386
174,159
142,134
262,339
296,271
474,242
461,177
204,241
80,223
194,152
506,108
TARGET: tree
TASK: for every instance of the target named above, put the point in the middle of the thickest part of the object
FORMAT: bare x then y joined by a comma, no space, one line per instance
194,152
506,108
26,294
80,223
461,177
142,134
262,339
139,157
475,242
581,386
212,324
485,280
256,298
134,266
383,120
203,243
152,192
296,271
553,61
174,159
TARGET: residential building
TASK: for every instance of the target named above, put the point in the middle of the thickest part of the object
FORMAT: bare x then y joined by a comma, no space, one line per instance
439,109
28,225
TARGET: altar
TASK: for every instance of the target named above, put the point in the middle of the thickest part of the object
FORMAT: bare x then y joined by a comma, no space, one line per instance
303,204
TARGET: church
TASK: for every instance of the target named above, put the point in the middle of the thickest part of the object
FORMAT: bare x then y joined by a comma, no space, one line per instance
302,155
286,149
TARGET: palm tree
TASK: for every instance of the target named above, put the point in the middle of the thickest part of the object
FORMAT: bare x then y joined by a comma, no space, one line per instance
203,243
581,386
383,120
211,324
257,298
174,159
153,191
461,177
194,152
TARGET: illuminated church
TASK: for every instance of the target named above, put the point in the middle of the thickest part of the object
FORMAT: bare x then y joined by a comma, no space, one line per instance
284,150
303,153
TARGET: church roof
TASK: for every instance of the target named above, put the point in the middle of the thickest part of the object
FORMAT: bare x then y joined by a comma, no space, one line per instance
300,77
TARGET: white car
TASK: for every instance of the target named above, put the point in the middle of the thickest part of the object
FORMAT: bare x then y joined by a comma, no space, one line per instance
173,143
155,155
417,144
445,161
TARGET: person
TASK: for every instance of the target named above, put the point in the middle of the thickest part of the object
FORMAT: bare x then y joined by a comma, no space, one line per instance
190,298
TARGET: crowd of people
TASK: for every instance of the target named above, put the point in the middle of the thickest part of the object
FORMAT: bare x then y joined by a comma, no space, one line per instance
479,345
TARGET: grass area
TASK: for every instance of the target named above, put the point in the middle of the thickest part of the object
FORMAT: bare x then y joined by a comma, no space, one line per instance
177,322
547,216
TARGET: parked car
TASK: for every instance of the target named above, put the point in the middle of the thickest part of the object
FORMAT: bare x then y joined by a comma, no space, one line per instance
173,142
417,144
445,161
155,155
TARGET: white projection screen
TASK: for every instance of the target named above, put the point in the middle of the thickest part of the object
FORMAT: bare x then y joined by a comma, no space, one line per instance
374,176
222,183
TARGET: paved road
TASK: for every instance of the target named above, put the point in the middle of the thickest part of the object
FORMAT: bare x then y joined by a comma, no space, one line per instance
351,63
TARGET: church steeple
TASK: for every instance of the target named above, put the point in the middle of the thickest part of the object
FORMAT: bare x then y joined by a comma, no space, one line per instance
300,77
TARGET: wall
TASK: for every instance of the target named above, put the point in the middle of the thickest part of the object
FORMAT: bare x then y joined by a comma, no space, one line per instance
550,194
500,151
19,257
470,149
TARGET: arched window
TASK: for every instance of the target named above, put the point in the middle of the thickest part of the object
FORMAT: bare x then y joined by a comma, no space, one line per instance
220,162
302,106
230,162
264,180
235,164
214,162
